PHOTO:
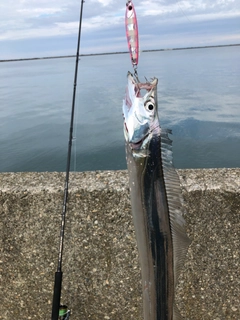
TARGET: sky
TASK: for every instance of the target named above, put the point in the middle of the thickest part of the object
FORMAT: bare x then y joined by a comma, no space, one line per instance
40,28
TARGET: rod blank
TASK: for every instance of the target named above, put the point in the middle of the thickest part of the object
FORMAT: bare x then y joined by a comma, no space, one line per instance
58,274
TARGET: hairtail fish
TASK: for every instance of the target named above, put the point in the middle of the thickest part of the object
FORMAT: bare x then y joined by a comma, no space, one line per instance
156,200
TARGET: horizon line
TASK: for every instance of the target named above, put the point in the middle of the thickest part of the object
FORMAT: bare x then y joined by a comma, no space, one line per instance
118,52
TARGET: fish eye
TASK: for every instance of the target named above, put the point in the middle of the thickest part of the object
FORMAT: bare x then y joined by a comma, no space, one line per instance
149,106
130,8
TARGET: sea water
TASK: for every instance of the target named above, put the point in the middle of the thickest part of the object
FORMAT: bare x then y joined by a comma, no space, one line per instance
198,98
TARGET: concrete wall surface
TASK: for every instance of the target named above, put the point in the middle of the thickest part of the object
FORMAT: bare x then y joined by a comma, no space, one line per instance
101,273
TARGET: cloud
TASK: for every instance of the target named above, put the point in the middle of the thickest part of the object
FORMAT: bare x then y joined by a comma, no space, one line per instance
161,22
38,12
190,10
105,2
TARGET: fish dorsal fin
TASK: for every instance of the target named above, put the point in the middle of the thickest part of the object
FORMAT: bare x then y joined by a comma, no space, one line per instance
175,205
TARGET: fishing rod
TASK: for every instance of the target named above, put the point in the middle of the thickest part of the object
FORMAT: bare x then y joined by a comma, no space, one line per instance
61,311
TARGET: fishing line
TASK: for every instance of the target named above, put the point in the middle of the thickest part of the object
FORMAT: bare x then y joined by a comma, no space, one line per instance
183,12
75,142
63,312
75,133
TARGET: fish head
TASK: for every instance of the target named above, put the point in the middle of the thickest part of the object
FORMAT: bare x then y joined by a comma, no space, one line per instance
140,112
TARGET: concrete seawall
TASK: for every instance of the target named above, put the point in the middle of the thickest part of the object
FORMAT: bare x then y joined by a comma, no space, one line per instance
101,274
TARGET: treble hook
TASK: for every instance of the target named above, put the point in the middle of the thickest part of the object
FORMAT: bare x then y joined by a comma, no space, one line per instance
135,73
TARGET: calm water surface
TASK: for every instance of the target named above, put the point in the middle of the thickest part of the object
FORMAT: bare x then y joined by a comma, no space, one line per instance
198,95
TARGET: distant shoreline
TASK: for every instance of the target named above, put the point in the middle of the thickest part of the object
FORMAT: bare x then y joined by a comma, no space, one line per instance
119,52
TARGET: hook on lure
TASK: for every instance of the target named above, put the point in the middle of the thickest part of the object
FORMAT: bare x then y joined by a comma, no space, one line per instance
132,34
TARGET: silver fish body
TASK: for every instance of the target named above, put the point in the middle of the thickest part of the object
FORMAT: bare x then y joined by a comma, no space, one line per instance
155,199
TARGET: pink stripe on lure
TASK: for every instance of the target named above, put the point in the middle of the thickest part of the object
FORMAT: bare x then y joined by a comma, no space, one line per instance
132,32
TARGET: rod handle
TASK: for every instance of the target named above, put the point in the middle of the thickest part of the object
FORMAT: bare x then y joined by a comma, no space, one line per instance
56,295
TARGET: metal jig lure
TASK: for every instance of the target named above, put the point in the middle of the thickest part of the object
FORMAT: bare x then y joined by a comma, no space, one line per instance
132,34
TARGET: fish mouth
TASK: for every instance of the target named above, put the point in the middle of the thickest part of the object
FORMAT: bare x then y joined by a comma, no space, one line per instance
137,145
138,86
134,145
